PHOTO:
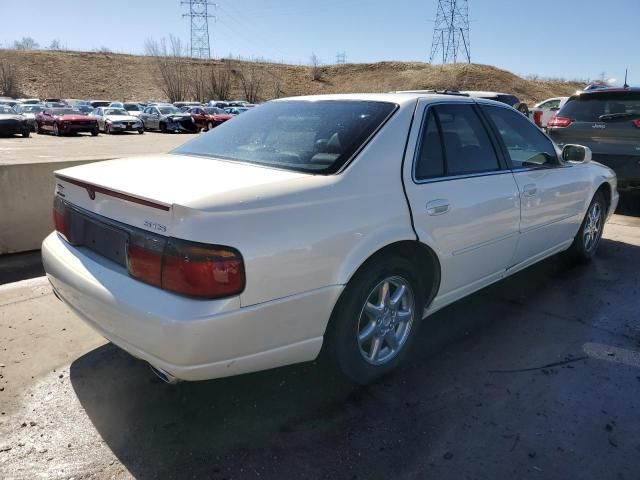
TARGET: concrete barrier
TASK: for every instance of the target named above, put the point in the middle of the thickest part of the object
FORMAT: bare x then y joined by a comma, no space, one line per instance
26,198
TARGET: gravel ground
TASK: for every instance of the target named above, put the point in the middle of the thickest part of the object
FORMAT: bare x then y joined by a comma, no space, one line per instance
537,376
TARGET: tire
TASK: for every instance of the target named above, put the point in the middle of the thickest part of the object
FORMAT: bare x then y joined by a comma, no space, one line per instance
163,127
39,129
141,131
26,132
360,319
107,129
209,126
585,244
56,130
95,132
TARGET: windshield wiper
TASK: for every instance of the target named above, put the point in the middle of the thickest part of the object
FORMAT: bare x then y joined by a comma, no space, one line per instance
613,116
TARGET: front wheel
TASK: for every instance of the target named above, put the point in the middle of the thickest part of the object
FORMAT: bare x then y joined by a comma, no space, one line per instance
26,132
163,128
587,239
375,321
141,131
56,130
95,132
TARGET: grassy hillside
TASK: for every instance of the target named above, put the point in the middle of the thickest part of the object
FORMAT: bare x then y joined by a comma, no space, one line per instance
129,77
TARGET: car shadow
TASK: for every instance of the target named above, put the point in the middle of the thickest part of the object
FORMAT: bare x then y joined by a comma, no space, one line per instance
302,422
629,204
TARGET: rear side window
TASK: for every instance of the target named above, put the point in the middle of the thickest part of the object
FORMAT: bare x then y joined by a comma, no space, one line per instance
597,107
454,142
430,163
526,145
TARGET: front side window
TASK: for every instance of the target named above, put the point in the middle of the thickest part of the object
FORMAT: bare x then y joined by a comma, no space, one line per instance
526,145
307,136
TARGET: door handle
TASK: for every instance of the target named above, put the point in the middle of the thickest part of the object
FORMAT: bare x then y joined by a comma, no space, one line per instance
438,207
529,190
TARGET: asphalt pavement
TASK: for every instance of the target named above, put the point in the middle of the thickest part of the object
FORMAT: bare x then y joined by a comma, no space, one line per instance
537,376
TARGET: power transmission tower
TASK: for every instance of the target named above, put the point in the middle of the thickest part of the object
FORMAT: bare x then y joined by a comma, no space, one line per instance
451,32
341,58
199,15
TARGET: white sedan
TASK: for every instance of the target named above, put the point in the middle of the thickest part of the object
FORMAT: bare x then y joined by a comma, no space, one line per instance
335,223
112,120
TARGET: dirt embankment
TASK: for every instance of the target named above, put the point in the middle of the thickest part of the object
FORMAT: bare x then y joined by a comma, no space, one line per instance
129,77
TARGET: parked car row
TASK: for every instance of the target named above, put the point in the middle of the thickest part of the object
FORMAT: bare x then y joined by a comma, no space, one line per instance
68,116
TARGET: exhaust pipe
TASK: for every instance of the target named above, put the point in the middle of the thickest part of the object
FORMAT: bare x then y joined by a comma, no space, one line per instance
164,376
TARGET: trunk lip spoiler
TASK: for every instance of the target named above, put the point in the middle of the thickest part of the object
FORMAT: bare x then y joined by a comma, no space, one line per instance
92,189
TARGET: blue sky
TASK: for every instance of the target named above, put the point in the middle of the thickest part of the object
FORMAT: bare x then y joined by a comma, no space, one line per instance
559,38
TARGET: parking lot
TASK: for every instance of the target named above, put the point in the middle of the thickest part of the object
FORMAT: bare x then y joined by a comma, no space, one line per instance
47,148
537,376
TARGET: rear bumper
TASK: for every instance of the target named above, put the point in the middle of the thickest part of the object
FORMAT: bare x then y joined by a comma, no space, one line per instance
189,339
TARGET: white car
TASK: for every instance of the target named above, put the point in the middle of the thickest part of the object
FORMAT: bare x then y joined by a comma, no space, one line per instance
544,111
111,120
335,222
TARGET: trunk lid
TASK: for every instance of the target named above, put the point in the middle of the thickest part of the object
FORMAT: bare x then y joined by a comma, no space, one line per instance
142,192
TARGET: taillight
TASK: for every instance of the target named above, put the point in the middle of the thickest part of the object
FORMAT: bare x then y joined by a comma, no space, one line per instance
200,270
144,257
559,122
537,118
187,268
60,221
636,122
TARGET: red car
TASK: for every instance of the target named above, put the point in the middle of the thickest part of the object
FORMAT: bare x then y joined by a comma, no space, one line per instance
65,121
208,117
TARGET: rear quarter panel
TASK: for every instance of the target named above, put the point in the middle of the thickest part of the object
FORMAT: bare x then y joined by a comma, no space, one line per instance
315,232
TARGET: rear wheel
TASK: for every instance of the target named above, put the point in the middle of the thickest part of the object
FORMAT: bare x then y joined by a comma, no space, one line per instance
587,239
141,131
26,132
375,320
95,132
39,129
163,127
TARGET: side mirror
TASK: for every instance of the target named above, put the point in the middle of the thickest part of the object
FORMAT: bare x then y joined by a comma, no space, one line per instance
576,154
554,109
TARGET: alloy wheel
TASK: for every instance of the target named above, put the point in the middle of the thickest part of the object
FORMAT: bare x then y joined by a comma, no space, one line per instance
385,320
592,228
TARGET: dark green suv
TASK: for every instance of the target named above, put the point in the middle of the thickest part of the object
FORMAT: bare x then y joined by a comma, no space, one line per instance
608,122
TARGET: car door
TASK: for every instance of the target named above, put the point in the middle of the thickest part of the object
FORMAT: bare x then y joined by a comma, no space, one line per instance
552,193
464,199
47,120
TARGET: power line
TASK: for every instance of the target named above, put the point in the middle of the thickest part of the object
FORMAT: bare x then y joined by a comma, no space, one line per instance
451,32
341,58
199,15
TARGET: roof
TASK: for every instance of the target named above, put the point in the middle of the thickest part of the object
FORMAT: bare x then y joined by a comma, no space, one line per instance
600,91
400,98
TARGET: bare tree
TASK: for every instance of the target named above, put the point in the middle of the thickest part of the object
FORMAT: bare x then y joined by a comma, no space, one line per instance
172,64
27,43
316,68
251,75
199,84
57,45
220,77
9,80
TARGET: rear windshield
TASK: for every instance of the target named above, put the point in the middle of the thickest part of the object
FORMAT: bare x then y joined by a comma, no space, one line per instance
598,107
306,136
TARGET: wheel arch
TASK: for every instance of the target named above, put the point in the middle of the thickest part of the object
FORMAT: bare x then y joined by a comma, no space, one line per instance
605,188
423,256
